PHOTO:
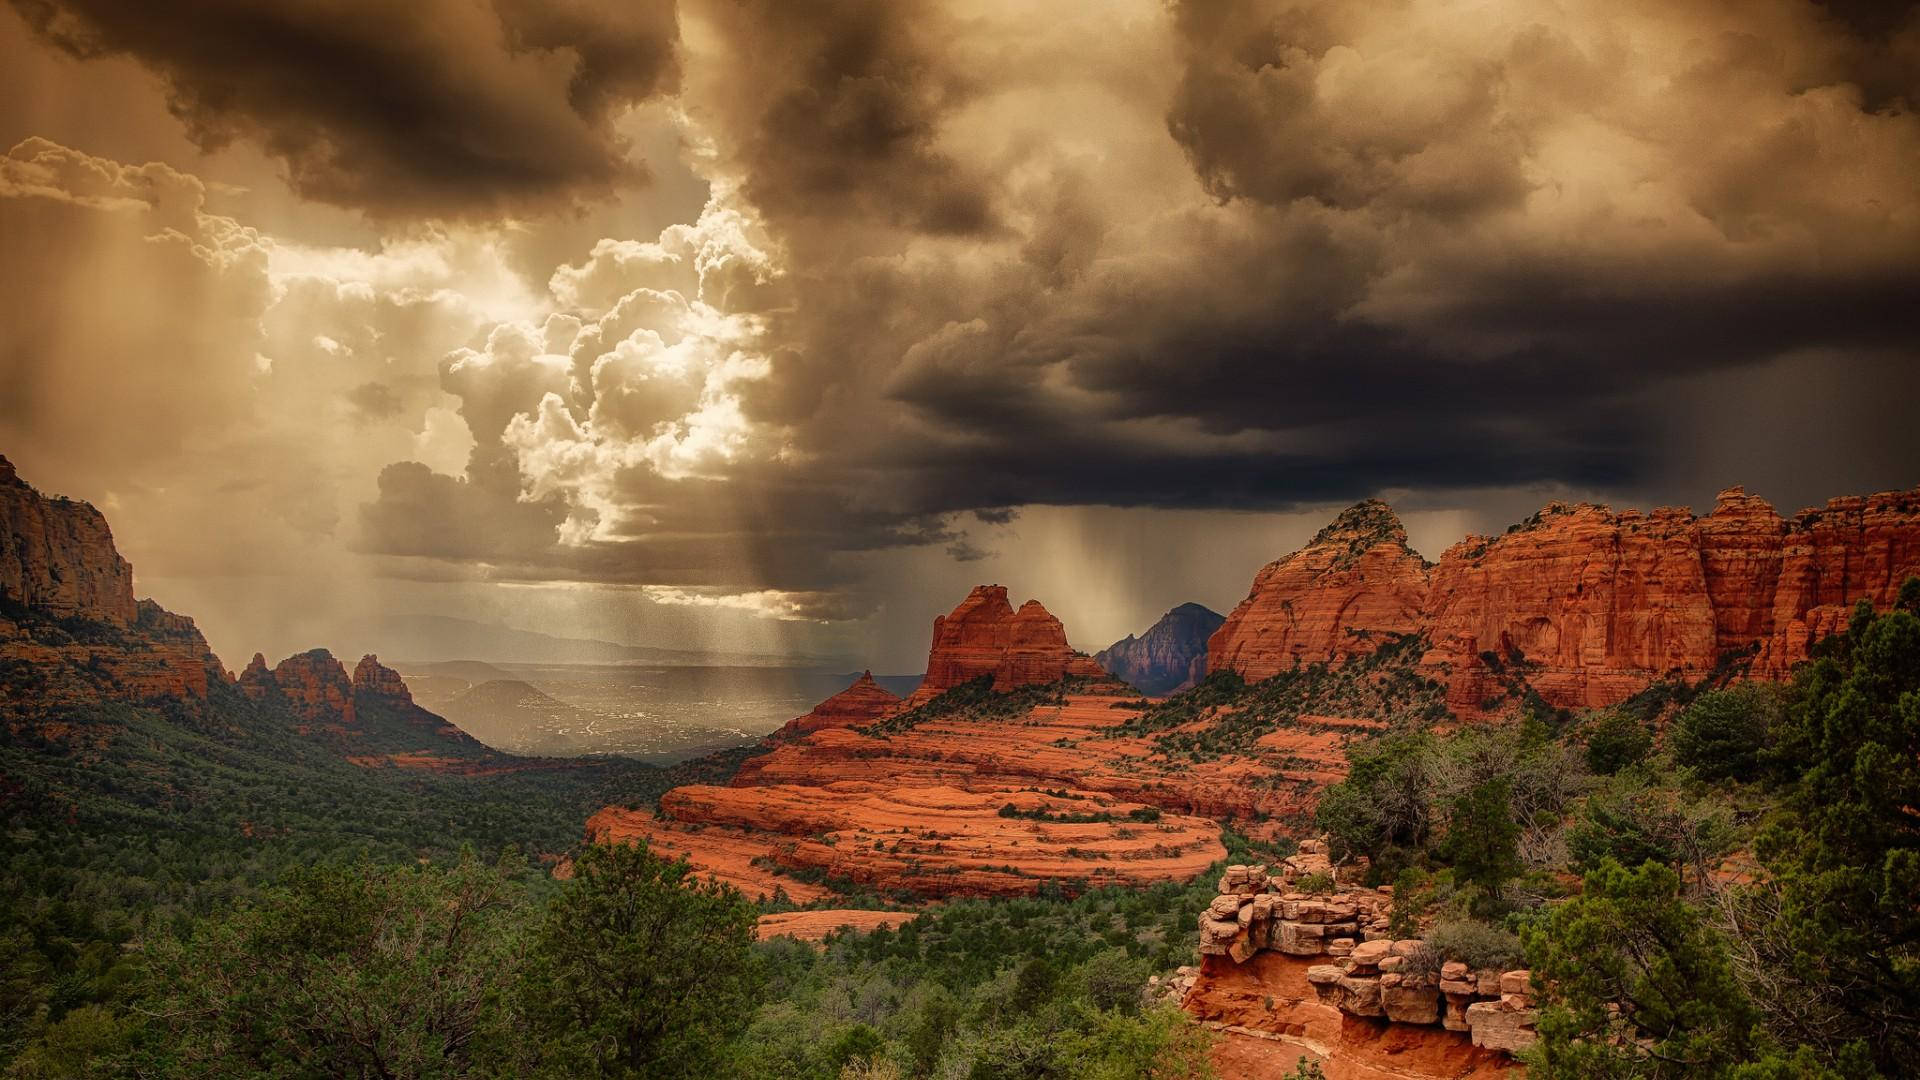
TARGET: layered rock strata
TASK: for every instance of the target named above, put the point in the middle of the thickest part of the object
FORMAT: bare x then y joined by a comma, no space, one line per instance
1585,606
985,637
858,705
918,840
1353,964
1356,580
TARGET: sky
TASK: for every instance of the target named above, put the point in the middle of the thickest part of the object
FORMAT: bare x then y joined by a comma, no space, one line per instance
769,326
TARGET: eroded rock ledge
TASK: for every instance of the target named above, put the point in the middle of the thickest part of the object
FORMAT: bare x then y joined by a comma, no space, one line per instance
1361,970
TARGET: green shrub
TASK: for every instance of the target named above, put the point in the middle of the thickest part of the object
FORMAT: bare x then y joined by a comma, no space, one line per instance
1412,895
1616,741
1724,733
1317,884
1476,944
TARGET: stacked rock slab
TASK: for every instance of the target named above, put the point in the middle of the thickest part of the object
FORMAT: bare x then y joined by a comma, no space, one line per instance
1367,973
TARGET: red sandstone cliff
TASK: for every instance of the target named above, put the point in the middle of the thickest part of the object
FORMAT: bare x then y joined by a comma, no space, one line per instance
1355,579
57,556
68,617
985,636
1589,606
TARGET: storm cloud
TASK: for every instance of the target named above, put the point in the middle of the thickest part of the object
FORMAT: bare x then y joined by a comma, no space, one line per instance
967,275
448,108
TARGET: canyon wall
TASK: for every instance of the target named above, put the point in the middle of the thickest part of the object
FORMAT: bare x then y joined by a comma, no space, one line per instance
1585,605
985,636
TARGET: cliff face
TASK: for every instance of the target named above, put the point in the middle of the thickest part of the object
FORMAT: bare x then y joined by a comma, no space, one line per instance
1356,580
985,636
70,629
1588,606
1597,604
1832,557
57,556
1168,656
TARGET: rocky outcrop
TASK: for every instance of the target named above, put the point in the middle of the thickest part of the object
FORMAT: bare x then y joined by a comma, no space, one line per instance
57,556
1170,656
1356,581
858,705
71,632
371,678
1583,605
984,636
1355,966
315,687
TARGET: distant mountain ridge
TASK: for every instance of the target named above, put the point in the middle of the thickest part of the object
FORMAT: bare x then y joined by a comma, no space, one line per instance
1170,656
420,639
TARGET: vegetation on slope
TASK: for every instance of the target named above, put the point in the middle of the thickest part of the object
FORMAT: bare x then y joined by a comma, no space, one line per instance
1744,899
1226,715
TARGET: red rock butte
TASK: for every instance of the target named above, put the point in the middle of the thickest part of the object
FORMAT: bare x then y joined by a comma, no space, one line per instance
1591,606
984,636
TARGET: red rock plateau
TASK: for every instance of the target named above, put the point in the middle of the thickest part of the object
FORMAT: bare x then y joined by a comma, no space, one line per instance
1588,606
985,636
935,801
856,706
69,623
816,925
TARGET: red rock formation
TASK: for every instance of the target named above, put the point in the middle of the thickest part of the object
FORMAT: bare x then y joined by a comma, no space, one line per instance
1741,544
70,620
1321,603
370,676
257,680
985,636
315,687
1852,549
57,556
816,925
1598,605
857,706
1587,606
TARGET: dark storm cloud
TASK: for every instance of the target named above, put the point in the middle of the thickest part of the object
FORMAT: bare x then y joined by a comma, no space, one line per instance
839,116
444,108
1442,255
1246,255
